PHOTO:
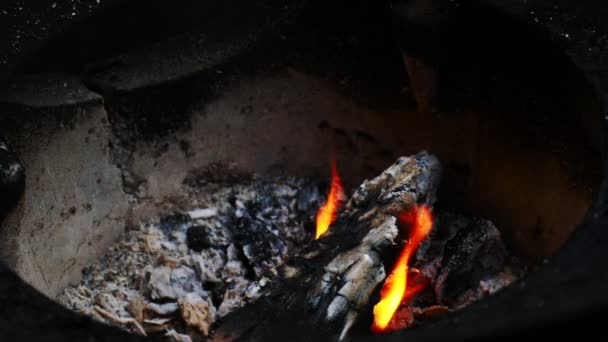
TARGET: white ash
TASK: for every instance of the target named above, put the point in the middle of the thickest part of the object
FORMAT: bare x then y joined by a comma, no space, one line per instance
203,213
177,274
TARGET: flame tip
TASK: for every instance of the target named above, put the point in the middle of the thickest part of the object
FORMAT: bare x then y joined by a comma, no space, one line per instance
328,212
395,287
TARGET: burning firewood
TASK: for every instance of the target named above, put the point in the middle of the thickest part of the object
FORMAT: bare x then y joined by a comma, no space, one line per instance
475,253
248,266
323,289
463,261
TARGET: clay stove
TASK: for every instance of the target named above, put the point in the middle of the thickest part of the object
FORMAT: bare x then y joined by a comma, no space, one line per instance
130,137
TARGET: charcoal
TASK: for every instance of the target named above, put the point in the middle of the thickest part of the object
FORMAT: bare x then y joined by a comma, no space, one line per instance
463,260
259,239
429,256
403,319
450,224
475,253
198,238
430,313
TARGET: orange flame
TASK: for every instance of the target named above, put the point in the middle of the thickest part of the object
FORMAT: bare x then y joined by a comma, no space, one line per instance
394,290
328,213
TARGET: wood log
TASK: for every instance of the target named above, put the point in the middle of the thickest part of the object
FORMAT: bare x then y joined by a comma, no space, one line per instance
474,254
321,291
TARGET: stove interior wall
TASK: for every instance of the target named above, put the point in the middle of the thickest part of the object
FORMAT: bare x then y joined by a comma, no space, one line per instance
536,191
523,159
73,207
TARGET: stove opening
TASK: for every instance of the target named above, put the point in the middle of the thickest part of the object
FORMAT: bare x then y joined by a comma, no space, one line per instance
341,168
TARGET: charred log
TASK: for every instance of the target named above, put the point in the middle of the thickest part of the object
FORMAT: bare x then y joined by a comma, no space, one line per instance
322,290
462,262
475,253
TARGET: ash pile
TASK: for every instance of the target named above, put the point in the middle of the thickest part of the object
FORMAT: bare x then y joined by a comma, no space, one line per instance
178,274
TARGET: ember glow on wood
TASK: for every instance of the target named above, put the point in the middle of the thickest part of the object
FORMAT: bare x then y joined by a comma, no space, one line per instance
322,291
421,221
329,211
240,264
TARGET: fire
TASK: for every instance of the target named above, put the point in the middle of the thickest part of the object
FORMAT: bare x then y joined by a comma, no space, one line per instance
328,213
395,287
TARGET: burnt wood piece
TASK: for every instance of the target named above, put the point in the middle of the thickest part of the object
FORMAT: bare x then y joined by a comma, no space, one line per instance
320,291
198,238
12,177
474,254
261,241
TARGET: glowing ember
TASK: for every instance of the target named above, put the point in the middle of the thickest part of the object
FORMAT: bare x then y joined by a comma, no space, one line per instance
394,290
329,211
417,282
